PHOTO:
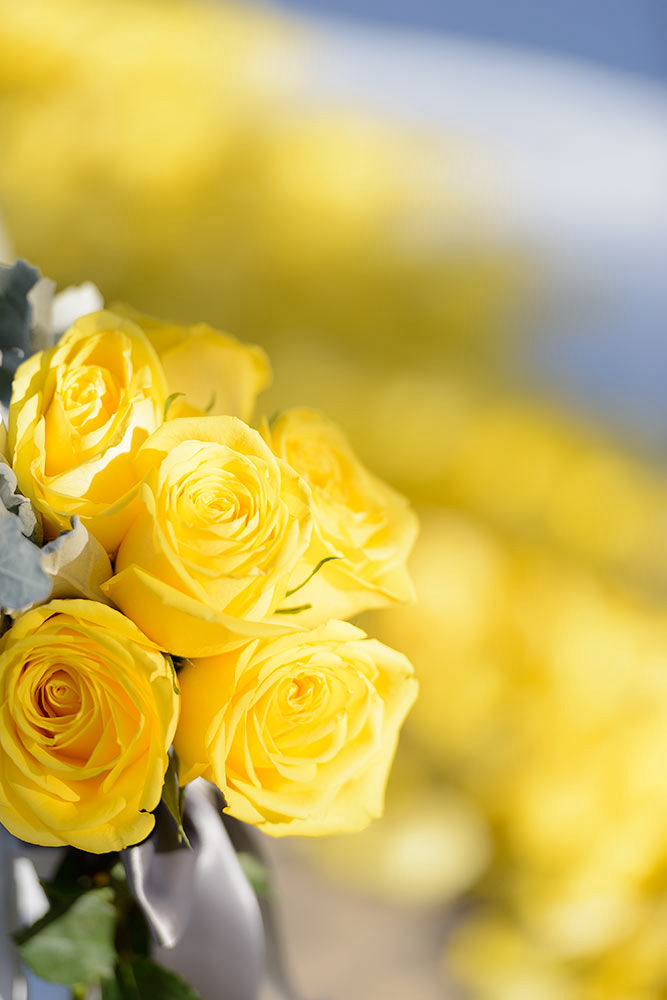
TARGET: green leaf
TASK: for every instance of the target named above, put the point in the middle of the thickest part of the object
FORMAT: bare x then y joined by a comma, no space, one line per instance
77,946
294,610
22,579
140,978
257,874
312,574
168,401
173,798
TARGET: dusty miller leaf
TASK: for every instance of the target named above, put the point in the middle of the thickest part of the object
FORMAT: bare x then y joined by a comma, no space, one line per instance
15,311
22,579
15,503
77,564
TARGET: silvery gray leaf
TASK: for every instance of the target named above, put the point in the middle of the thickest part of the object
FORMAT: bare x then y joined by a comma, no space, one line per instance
40,298
203,914
15,311
22,580
77,564
15,503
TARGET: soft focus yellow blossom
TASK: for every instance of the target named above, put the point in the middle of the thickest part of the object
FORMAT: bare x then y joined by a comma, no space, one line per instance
431,846
77,414
544,694
223,522
212,372
298,731
88,712
366,526
250,202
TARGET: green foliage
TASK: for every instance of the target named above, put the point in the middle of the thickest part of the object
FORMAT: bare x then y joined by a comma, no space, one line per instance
141,978
95,933
257,874
74,945
173,797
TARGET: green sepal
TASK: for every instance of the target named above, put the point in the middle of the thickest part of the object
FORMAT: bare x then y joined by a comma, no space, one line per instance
288,593
293,611
173,797
168,401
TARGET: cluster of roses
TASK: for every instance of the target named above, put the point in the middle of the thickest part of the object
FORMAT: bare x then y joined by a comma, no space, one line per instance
233,555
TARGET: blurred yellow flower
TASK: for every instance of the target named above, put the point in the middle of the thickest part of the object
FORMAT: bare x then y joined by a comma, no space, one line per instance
88,712
298,731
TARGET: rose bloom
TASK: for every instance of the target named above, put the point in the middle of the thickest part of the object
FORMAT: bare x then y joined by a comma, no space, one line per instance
365,524
77,412
297,731
213,371
222,524
88,712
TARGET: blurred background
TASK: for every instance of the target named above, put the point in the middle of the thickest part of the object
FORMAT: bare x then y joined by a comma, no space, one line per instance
447,223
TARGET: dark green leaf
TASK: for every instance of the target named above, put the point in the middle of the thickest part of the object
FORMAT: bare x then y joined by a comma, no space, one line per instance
168,401
172,796
256,872
76,947
311,575
294,610
140,979
22,579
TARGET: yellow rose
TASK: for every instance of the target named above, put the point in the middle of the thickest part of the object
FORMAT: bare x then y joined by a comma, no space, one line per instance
222,525
297,731
363,522
88,712
78,412
215,372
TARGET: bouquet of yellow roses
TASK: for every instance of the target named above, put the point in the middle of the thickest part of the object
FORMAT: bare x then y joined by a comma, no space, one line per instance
174,585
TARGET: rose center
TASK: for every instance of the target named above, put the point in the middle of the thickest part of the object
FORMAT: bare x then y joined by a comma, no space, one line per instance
58,695
89,396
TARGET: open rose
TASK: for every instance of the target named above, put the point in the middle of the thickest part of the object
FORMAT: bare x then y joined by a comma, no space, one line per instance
78,411
223,522
87,713
297,731
365,525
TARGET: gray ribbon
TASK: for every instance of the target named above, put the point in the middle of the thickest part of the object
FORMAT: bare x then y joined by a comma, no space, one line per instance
207,924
